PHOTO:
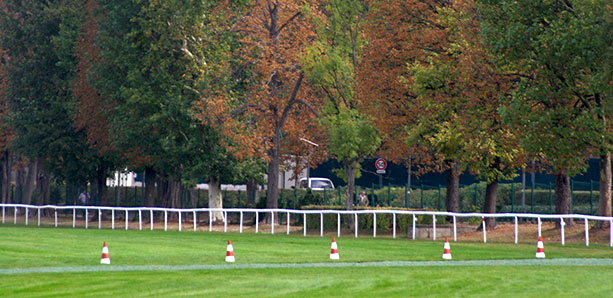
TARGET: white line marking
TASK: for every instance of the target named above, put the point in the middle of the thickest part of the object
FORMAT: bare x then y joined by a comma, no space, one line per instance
510,262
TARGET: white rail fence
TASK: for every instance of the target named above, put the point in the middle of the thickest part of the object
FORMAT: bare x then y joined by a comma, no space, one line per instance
289,212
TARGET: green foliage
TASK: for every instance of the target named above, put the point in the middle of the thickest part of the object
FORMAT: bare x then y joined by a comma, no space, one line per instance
563,49
155,62
331,65
40,70
351,136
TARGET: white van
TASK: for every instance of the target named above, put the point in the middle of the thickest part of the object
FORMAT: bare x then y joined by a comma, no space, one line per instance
316,183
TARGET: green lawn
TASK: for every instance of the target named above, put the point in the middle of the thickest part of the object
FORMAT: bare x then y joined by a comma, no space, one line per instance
48,247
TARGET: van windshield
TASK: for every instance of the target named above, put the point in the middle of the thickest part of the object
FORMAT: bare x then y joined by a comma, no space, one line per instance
321,184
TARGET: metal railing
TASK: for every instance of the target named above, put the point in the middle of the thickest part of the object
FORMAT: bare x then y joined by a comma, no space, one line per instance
304,213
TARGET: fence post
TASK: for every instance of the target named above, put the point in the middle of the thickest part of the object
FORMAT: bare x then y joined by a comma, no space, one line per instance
438,204
476,193
406,196
389,194
340,199
142,192
198,203
532,199
512,197
572,189
591,189
372,194
325,196
550,200
422,195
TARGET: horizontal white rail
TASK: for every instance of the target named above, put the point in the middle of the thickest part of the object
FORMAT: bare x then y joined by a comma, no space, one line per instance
289,212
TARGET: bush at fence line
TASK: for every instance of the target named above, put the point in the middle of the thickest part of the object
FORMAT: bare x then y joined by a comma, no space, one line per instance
397,196
365,221
546,209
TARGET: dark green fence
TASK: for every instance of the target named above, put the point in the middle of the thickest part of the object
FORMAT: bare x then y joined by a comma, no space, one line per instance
537,198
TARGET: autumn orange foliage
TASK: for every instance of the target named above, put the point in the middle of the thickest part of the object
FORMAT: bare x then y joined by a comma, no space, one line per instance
280,106
90,111
398,32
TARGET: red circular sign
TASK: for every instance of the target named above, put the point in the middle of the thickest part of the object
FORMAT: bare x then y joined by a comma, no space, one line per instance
380,164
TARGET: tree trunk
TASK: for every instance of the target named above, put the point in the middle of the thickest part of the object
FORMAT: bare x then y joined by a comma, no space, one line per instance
150,178
562,187
101,191
452,199
19,179
101,188
42,185
5,183
490,203
350,172
163,190
215,199
252,192
272,193
408,202
28,186
604,208
175,195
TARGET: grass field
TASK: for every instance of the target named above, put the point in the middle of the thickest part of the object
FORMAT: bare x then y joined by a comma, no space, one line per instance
287,265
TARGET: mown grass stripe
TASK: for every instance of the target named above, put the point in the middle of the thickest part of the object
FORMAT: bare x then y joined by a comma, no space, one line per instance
112,268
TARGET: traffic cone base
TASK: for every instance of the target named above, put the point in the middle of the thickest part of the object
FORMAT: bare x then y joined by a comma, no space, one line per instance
230,253
105,255
334,250
540,249
446,250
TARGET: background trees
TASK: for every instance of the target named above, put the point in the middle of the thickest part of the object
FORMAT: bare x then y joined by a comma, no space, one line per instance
225,90
562,49
38,93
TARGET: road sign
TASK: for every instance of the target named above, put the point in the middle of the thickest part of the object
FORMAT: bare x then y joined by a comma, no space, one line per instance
380,164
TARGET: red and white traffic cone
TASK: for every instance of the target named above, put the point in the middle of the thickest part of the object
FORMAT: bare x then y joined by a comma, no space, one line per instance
540,249
334,250
105,255
230,252
446,250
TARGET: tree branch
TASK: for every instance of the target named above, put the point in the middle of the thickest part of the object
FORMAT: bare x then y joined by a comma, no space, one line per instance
288,21
293,101
242,109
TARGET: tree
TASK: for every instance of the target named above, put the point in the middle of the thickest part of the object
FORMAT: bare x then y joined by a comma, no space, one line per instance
459,91
275,35
6,135
91,111
37,35
563,51
331,65
153,65
398,36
